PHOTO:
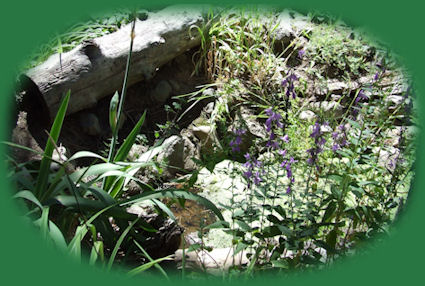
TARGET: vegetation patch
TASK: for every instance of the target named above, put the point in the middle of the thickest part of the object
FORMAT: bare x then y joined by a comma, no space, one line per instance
298,150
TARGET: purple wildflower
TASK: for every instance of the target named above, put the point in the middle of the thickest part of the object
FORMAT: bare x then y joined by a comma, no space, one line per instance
319,142
339,138
247,174
376,77
288,83
301,53
361,95
288,190
257,178
250,174
237,141
285,138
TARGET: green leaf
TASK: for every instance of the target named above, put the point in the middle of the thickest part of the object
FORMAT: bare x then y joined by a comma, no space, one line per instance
243,225
280,264
150,264
118,244
331,240
97,252
27,195
83,204
44,222
57,236
164,208
86,154
74,246
218,224
330,211
129,141
43,174
174,194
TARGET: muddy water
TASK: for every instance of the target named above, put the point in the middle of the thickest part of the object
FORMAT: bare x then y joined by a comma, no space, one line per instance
192,217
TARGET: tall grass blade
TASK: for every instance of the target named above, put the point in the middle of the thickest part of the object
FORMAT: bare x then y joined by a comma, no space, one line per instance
151,263
118,244
43,174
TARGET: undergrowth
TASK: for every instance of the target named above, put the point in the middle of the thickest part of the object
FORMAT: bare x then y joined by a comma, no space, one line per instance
313,189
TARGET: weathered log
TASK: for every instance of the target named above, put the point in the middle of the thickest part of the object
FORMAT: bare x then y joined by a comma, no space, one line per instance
95,68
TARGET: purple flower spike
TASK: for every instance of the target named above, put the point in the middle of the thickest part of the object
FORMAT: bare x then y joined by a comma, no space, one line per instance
257,178
376,77
301,53
361,95
247,156
248,174
288,190
282,152
285,138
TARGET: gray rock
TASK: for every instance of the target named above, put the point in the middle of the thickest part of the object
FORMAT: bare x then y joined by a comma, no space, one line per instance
190,151
307,115
90,124
388,157
214,262
136,151
171,156
162,92
254,127
338,87
290,24
209,108
202,132
174,85
394,100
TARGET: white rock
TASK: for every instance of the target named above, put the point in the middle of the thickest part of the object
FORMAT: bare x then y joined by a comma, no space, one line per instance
307,115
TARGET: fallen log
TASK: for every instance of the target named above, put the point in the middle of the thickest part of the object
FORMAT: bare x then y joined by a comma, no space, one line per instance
95,68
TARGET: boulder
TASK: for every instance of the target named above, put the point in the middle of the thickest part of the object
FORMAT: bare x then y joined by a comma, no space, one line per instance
171,156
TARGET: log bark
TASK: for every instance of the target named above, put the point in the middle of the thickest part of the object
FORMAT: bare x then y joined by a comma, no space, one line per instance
95,68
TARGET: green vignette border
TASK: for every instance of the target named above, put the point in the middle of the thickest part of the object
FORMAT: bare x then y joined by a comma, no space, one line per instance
27,259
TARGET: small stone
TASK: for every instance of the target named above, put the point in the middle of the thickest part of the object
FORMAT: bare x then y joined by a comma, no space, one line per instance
394,99
307,115
325,129
90,124
162,92
172,155
202,132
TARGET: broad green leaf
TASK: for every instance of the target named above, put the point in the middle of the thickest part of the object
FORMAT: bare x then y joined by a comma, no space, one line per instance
118,244
86,154
218,224
175,194
96,252
280,264
148,265
244,226
129,141
330,211
43,174
27,195
75,245
154,262
57,236
164,208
